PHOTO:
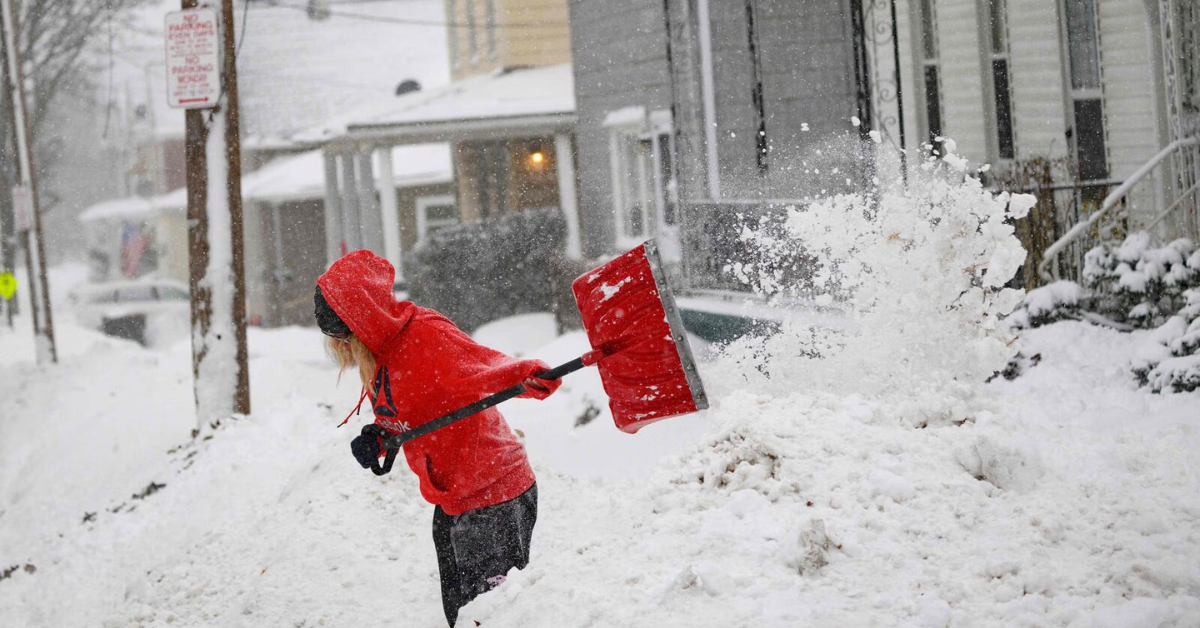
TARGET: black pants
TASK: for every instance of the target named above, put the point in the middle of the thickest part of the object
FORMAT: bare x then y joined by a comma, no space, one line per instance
477,548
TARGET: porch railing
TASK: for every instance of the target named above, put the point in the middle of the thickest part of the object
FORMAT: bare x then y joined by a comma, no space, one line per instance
1086,231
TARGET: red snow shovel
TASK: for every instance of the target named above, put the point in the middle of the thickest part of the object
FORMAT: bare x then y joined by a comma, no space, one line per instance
638,345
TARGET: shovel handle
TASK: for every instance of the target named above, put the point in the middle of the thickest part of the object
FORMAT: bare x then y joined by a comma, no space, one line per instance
394,442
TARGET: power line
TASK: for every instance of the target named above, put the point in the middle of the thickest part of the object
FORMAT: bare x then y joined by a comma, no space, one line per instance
411,22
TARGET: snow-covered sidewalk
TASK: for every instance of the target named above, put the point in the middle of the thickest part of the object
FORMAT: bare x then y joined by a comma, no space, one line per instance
1069,499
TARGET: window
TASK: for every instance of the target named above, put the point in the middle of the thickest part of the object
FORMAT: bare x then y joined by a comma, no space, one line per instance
666,188
1189,61
491,27
452,30
1001,90
492,175
168,293
135,294
641,152
631,154
631,171
761,146
435,213
472,32
929,71
1083,61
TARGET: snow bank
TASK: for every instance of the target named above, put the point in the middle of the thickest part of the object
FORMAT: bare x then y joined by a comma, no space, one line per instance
817,509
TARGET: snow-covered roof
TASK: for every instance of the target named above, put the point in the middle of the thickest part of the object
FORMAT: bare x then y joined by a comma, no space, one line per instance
527,92
303,176
291,178
131,208
295,72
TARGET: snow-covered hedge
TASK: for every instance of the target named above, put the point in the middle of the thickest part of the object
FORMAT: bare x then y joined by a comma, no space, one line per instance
1171,360
479,272
1139,284
1130,284
1051,303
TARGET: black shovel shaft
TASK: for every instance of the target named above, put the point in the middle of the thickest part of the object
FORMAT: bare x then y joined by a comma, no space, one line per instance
394,442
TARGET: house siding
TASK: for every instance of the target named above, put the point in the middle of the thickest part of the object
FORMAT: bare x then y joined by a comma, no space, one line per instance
909,77
806,53
549,45
1039,99
517,45
1126,48
959,50
619,55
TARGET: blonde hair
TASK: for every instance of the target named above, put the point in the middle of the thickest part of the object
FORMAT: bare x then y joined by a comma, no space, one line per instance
351,351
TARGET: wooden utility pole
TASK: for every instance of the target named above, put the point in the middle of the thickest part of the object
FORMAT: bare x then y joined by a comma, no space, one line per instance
35,244
216,266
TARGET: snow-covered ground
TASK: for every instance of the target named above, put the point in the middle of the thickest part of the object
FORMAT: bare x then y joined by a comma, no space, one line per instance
1067,498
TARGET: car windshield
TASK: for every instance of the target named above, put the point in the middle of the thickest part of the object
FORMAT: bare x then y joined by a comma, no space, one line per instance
108,296
135,293
171,293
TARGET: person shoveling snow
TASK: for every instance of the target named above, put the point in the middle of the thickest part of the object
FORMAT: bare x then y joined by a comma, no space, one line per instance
416,365
425,377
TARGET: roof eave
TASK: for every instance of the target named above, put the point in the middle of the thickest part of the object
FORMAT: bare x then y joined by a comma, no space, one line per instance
508,127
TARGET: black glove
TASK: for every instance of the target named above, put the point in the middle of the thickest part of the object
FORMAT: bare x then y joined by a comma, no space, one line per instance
365,448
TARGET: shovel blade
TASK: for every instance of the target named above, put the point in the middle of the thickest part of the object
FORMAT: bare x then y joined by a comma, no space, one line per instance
629,313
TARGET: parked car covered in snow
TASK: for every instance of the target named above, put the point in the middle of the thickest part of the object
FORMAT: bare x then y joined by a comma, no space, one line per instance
151,312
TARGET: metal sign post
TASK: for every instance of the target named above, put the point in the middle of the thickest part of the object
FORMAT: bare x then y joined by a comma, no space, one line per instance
202,78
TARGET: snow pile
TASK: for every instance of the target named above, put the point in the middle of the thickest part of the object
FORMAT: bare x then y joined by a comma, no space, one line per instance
921,271
810,509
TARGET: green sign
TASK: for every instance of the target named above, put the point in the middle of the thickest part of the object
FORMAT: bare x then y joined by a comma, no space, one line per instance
8,285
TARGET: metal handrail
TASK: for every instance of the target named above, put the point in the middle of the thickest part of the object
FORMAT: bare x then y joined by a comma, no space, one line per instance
1179,201
1054,250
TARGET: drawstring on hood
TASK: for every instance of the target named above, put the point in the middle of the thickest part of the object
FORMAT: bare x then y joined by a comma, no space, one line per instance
353,412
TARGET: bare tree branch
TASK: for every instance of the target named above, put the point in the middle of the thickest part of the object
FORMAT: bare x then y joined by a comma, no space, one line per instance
55,39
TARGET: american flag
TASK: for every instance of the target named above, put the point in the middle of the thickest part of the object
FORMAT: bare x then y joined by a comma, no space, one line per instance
134,242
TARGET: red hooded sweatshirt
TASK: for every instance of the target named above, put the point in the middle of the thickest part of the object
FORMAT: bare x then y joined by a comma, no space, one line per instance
427,367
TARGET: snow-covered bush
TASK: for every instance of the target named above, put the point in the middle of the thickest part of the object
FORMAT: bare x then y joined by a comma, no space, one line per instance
1058,301
480,272
919,269
1135,282
1171,360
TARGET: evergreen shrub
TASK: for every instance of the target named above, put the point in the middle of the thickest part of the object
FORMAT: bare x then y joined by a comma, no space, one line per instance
479,272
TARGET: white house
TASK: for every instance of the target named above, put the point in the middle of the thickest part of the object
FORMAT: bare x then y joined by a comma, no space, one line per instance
1087,91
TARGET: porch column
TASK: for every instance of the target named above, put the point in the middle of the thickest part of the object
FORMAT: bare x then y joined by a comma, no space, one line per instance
371,222
351,220
333,210
567,197
390,211
280,275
